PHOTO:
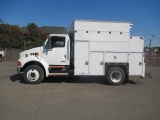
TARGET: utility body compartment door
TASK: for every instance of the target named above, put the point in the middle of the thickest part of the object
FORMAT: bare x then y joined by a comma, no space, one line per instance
96,66
136,64
81,58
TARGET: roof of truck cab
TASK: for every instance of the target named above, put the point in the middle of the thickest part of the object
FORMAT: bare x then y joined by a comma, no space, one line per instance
102,21
58,35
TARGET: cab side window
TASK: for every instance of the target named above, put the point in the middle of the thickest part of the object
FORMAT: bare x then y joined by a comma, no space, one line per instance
57,42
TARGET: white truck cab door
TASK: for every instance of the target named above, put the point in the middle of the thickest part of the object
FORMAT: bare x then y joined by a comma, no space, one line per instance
58,54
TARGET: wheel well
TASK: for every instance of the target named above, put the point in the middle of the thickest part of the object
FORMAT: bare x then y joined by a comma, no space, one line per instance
33,63
124,66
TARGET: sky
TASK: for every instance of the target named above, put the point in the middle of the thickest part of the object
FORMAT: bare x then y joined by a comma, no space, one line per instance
143,14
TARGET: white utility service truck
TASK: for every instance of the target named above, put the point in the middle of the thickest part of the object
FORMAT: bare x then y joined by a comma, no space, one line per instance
91,48
1,55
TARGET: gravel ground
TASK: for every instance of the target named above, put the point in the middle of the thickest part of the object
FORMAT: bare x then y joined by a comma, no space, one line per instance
79,98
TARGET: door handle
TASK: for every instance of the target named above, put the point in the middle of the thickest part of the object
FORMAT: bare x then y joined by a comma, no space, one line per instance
64,56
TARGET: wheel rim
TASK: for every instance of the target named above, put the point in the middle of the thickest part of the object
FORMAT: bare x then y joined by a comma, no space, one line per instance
116,76
33,75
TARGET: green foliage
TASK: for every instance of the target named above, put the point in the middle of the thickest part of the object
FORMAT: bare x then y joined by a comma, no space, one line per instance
33,37
12,36
33,32
5,31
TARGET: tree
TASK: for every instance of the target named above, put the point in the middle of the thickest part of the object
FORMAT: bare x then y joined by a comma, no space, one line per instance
33,36
17,37
5,35
10,36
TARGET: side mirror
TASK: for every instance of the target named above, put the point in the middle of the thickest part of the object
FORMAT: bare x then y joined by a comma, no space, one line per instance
48,47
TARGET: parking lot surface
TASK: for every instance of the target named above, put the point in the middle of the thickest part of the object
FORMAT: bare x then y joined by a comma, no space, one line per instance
78,98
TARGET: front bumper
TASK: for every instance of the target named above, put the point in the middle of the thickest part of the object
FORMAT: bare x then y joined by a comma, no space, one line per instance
19,70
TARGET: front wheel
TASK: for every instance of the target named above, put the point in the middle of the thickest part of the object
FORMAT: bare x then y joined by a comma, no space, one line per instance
33,74
115,76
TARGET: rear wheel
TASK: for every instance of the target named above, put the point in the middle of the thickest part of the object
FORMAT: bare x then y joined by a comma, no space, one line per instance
115,76
33,74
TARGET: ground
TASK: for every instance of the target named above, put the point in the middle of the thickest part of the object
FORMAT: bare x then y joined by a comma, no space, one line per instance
82,98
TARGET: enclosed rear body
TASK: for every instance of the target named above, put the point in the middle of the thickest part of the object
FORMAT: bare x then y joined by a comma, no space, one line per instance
100,44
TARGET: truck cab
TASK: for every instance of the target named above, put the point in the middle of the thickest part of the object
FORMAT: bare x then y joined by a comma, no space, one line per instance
51,59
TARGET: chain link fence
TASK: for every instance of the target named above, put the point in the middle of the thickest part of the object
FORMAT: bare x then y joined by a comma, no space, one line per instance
151,59
11,54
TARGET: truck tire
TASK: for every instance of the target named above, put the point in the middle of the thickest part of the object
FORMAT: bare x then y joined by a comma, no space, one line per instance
115,76
0,58
33,74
